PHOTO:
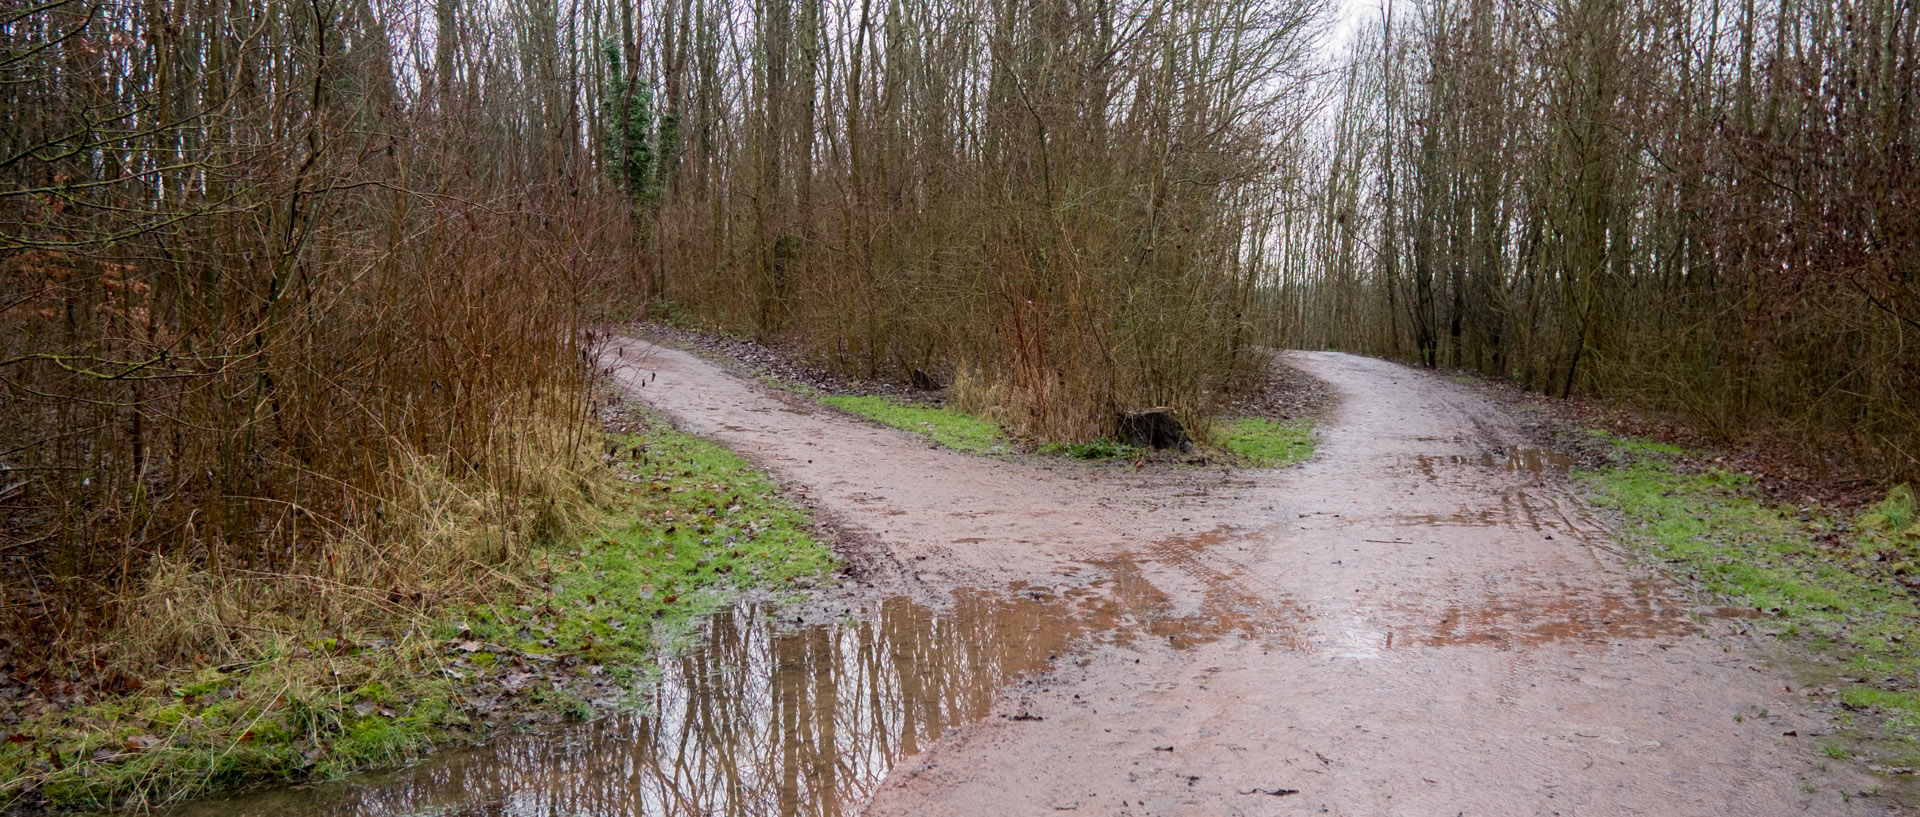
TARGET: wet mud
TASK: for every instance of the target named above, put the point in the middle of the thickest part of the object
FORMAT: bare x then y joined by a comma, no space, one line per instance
764,718
755,719
1513,458
1422,620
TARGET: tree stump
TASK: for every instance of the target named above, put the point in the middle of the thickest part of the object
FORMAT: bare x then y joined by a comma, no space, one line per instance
1154,428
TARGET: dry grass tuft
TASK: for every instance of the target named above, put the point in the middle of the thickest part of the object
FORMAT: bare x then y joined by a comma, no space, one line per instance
434,541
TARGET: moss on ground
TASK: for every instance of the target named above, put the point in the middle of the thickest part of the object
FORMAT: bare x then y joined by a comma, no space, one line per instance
950,428
1839,591
575,634
1266,443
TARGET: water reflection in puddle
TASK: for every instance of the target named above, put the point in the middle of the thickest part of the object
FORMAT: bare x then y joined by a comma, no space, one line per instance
760,720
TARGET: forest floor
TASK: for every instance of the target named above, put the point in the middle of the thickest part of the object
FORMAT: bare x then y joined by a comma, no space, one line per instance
1426,618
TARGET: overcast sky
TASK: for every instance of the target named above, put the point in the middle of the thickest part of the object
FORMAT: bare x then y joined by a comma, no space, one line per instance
1348,15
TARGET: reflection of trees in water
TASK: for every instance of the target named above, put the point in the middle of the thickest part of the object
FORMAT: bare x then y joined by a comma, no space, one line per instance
758,721
806,722
751,721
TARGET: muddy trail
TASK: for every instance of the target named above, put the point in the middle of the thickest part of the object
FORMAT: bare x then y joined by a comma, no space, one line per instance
1420,621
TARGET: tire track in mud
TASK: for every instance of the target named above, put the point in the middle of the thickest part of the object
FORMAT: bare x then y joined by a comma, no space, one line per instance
1519,491
1230,600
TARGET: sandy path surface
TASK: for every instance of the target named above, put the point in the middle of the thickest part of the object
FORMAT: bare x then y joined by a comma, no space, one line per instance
1420,621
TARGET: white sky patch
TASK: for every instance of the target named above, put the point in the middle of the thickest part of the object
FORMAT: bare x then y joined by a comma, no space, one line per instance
1348,16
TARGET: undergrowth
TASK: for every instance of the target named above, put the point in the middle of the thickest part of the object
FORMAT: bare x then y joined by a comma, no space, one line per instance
1844,592
684,527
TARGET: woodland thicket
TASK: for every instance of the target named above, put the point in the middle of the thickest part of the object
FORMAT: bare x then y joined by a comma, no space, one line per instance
297,300
289,300
1709,206
1065,201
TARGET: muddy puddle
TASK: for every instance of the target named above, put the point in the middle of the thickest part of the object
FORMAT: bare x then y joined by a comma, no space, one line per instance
1513,459
763,719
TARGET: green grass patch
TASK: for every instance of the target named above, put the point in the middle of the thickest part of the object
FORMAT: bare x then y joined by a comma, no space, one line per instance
950,428
698,524
569,633
1837,591
1898,513
1266,443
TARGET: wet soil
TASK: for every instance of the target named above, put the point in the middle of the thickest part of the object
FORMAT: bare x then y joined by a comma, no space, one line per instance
763,716
1443,627
1421,620
1785,467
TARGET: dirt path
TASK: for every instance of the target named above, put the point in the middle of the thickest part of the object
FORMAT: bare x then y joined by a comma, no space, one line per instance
1420,621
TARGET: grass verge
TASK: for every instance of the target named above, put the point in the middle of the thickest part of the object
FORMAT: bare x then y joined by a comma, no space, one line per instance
689,528
1266,443
950,428
1841,590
